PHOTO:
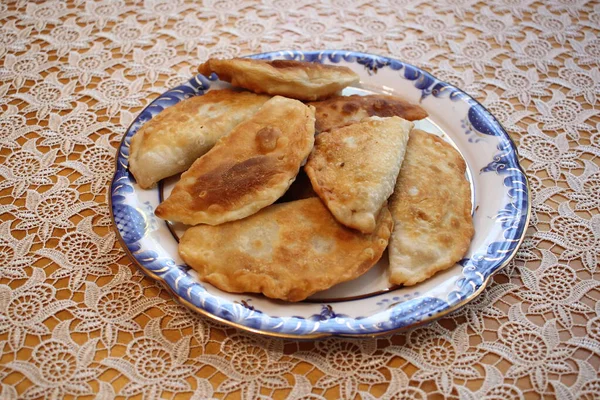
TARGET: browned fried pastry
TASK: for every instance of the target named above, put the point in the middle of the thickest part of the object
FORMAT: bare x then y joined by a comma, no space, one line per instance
431,207
296,79
246,170
354,169
171,141
287,251
343,110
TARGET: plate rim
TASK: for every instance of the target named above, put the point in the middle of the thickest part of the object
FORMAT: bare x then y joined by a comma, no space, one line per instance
324,334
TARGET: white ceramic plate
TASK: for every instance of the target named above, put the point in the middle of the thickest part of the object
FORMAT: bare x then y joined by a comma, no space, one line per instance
366,306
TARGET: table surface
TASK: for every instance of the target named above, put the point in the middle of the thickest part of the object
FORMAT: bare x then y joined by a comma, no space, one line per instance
77,318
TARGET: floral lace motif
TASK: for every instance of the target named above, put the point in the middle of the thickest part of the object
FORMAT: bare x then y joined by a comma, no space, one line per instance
77,319
533,351
249,363
152,363
346,364
59,366
440,355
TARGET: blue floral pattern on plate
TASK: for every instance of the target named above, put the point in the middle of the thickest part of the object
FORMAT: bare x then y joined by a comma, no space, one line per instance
139,233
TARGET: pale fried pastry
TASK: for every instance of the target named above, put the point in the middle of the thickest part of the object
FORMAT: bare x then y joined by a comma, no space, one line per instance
354,169
431,207
296,79
343,110
170,142
246,170
286,251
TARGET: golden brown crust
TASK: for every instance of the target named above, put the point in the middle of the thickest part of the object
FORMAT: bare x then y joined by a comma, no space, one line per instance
171,141
431,207
296,79
286,251
354,169
339,111
246,170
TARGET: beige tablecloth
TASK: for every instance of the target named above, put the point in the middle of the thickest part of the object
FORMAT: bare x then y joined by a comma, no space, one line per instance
77,318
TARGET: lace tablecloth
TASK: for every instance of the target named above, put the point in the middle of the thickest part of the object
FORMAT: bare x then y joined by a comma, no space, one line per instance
77,318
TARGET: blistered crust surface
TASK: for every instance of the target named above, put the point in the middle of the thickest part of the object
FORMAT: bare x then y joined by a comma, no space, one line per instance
286,251
299,80
171,141
246,170
339,111
431,207
354,169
